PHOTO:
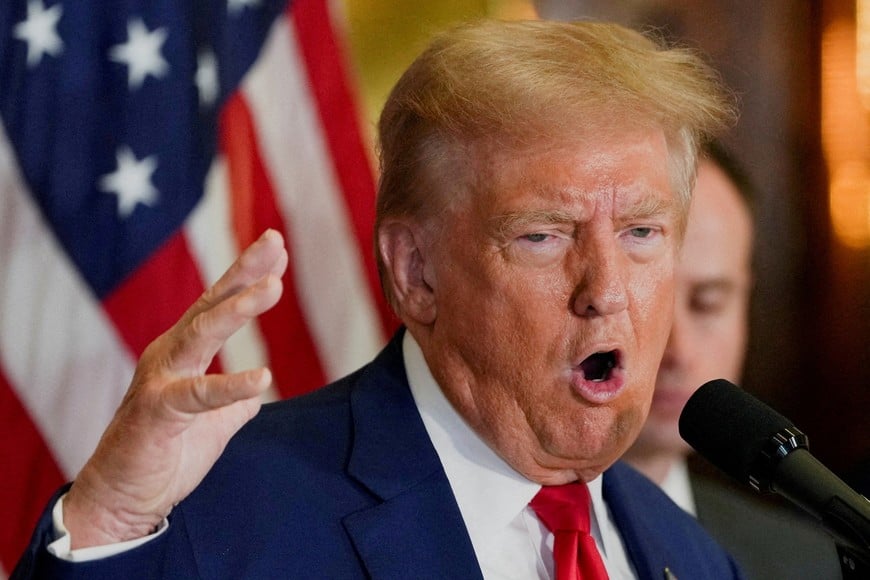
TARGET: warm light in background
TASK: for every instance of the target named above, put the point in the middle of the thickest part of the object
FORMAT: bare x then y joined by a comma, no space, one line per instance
386,35
846,127
862,21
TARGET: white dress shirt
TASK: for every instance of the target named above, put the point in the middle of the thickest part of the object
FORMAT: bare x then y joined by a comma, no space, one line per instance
679,488
508,539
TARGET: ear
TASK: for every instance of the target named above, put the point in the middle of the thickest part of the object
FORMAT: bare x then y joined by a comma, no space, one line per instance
404,255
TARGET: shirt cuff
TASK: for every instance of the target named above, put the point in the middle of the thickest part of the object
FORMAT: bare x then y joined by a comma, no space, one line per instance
60,547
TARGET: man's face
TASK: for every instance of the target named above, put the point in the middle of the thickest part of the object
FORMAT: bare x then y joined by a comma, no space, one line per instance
709,334
553,292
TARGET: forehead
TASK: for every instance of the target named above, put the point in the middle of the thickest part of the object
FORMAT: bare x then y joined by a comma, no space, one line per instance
719,230
617,169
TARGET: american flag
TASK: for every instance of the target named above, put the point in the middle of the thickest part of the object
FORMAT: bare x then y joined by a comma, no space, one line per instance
142,145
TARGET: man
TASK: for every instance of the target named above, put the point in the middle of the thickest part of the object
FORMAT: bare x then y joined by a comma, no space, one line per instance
535,183
708,341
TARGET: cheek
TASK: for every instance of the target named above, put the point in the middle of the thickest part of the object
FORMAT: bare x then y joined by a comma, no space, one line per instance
652,300
652,315
729,342
629,422
491,296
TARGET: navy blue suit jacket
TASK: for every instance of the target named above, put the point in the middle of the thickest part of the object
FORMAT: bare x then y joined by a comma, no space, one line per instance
344,483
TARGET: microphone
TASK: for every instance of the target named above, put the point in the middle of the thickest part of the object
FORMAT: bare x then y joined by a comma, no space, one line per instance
754,444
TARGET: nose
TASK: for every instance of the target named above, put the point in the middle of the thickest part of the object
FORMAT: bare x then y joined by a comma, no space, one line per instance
602,288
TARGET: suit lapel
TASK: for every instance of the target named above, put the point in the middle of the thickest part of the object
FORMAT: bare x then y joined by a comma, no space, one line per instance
417,530
412,535
650,557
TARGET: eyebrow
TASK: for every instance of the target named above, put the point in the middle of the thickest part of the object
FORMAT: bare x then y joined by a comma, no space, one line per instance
650,206
717,284
507,223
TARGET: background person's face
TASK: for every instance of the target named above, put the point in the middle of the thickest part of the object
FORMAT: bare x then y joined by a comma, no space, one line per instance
554,293
708,339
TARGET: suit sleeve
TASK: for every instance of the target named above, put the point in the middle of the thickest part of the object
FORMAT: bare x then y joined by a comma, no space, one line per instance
161,558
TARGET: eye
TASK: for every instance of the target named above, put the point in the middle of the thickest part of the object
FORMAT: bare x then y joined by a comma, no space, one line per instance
536,237
644,242
641,232
644,235
539,248
705,306
710,301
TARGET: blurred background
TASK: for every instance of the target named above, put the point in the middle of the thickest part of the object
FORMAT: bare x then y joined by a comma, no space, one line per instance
142,145
801,71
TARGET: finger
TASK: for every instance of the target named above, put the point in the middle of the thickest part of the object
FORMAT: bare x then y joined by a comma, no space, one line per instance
194,343
200,394
265,256
280,265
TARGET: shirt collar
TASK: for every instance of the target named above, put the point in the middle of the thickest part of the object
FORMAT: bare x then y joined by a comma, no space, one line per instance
679,488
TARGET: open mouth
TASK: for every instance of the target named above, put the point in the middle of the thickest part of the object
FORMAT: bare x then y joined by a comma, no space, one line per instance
599,366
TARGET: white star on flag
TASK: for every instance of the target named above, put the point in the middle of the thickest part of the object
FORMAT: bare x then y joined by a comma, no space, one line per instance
39,31
207,78
141,53
131,181
236,6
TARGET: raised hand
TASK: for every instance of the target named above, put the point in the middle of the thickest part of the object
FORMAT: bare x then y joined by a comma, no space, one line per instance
175,420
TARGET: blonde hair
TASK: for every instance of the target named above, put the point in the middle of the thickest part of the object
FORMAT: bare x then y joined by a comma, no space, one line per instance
512,84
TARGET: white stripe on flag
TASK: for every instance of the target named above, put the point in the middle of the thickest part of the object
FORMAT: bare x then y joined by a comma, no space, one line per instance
211,237
332,286
61,353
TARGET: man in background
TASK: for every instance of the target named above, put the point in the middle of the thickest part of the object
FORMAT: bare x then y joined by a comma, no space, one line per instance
708,341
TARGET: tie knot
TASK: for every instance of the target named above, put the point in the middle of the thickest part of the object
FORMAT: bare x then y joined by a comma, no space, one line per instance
563,507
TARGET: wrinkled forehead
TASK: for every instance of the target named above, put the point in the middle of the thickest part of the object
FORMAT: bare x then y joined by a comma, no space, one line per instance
594,150
463,168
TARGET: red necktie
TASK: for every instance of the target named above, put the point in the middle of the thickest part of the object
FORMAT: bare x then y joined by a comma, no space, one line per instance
564,509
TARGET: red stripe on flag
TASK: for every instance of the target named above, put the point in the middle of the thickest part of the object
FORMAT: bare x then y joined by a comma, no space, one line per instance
29,475
337,110
293,356
155,296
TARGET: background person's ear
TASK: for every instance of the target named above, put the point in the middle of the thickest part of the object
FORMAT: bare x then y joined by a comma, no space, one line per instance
410,277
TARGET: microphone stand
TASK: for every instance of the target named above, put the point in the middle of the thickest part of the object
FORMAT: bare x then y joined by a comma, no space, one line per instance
785,466
854,564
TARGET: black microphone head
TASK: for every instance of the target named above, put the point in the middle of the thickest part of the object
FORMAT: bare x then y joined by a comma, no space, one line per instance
733,430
